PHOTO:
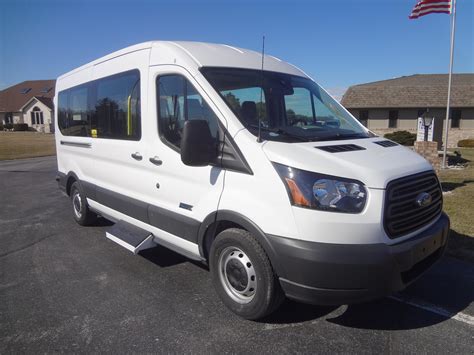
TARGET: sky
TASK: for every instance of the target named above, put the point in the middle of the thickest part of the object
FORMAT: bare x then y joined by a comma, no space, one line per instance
338,43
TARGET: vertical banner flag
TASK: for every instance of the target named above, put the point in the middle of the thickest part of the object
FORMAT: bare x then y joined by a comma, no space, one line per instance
425,7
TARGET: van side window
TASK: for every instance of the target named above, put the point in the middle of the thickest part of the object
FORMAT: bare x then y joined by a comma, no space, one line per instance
103,108
117,107
62,111
73,115
178,101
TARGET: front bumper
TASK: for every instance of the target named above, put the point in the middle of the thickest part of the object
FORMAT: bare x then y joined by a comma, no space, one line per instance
333,274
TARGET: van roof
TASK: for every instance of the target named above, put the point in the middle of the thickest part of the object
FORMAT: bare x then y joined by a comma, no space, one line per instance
200,54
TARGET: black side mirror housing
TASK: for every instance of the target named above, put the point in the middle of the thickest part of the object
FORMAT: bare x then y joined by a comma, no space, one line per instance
198,147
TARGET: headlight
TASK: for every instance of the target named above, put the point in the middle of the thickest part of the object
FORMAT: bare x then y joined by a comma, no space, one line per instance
322,192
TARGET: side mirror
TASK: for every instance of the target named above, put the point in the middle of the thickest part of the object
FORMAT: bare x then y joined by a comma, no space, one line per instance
197,144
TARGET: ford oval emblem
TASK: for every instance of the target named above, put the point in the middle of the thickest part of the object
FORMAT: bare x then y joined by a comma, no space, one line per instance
423,199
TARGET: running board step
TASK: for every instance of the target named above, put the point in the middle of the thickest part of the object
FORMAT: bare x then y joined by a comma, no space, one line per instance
130,237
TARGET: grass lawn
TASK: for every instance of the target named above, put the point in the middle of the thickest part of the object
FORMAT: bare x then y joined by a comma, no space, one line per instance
459,205
17,145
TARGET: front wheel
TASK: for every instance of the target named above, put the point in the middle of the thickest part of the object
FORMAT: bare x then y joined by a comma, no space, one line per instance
243,275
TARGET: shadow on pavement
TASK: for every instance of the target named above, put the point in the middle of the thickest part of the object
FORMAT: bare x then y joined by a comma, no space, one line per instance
460,246
294,312
163,257
102,222
386,314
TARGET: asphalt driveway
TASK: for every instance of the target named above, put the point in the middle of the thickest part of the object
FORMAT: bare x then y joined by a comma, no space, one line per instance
66,288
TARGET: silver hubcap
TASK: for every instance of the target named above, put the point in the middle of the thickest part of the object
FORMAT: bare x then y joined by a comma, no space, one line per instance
237,275
77,204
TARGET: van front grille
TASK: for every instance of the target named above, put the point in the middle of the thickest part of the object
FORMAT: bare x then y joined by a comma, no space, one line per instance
402,213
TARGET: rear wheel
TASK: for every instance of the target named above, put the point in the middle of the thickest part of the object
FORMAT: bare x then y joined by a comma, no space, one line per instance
243,276
80,209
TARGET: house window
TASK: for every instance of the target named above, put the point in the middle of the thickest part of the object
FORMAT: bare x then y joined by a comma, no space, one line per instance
37,116
364,117
8,118
455,118
392,118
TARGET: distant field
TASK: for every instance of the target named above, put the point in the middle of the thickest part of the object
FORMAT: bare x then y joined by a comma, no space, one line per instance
17,145
459,205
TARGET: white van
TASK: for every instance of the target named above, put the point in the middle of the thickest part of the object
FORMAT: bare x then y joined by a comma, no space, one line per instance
259,173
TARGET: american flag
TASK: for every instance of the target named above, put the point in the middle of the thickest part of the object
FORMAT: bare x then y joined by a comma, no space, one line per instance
425,7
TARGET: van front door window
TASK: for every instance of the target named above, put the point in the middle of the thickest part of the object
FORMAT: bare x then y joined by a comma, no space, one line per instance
178,101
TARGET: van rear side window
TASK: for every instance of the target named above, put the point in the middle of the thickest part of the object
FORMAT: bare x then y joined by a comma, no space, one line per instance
104,108
73,113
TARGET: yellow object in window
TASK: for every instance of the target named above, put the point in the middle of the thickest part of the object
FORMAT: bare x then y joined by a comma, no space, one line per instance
129,116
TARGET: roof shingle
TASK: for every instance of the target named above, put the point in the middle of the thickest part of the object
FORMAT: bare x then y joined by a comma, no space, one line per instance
419,90
11,99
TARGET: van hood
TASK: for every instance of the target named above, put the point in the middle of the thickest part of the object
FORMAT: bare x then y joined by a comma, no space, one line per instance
373,164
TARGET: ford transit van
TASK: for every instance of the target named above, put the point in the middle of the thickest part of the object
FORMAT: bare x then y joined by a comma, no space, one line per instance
259,173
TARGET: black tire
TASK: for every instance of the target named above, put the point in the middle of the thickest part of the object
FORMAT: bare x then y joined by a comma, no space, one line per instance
251,298
80,209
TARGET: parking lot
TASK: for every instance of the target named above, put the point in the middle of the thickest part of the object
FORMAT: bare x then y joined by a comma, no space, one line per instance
67,288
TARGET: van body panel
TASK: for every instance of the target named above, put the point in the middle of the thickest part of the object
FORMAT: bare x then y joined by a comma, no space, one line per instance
262,196
373,165
193,55
118,53
343,228
109,163
73,78
198,188
168,53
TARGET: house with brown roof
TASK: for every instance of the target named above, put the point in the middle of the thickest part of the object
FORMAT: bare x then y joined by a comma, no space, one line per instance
29,102
395,104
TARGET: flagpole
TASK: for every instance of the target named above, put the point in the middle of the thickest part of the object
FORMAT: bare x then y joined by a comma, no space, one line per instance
446,122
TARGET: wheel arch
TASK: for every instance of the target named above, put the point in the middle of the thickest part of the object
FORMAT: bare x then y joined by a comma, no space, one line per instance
221,220
71,178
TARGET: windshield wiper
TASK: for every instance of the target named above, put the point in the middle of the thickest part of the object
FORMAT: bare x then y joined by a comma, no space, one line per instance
280,131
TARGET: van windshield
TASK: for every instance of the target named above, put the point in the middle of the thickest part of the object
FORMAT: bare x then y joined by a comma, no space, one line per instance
287,107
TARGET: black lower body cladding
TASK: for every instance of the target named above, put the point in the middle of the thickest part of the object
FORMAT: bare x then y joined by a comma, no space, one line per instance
332,274
174,223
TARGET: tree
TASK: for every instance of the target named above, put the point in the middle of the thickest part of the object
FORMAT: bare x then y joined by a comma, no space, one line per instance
261,111
291,115
232,101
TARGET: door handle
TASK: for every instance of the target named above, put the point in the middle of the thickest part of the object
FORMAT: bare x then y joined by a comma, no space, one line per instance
137,156
155,160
